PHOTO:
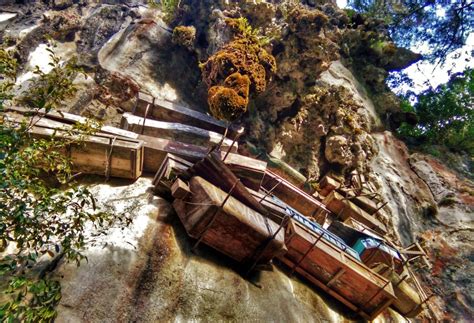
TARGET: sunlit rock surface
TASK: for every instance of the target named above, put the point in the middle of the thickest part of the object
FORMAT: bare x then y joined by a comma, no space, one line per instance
147,273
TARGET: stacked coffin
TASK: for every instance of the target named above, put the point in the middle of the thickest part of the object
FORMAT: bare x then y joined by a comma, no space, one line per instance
314,256
100,153
224,223
218,210
236,204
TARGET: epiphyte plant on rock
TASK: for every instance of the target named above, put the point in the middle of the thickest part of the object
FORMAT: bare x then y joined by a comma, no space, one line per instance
239,69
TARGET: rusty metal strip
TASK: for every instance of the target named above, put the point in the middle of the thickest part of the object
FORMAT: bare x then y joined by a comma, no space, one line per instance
108,164
307,253
258,254
214,216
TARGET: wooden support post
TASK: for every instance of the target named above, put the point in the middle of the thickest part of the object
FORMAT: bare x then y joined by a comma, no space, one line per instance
134,109
108,165
144,117
159,174
336,276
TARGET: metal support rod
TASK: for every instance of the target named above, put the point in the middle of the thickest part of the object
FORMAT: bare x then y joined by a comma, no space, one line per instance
214,216
307,253
218,147
375,295
269,192
237,136
379,208
401,280
283,224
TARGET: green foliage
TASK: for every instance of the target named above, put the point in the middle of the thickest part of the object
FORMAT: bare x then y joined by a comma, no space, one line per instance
446,115
32,301
169,8
243,29
442,25
42,210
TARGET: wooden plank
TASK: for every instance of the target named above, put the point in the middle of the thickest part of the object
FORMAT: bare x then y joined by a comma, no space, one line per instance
233,229
328,184
356,286
175,131
69,118
292,195
167,111
100,154
344,209
180,189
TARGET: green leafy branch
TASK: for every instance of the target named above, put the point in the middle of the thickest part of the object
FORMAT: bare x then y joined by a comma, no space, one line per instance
43,211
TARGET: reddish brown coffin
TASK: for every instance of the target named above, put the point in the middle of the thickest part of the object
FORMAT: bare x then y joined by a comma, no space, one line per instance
345,209
292,195
237,230
336,272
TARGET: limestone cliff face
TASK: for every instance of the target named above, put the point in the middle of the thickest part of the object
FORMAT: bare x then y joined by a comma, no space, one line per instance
325,109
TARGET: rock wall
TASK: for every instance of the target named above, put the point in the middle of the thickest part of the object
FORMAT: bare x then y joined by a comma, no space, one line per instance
322,111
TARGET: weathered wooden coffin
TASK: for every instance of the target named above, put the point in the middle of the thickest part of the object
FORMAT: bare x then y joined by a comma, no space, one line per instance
152,108
233,229
171,167
336,272
101,154
176,131
53,117
328,184
408,301
214,170
157,148
344,209
292,195
287,172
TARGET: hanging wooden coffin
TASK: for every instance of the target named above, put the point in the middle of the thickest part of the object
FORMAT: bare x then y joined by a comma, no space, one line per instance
336,272
222,222
152,108
175,131
100,154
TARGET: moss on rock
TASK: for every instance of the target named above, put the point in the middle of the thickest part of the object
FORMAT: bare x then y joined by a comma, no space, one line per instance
229,101
239,61
184,36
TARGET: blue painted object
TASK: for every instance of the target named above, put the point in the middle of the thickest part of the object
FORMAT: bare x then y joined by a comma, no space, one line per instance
363,244
318,230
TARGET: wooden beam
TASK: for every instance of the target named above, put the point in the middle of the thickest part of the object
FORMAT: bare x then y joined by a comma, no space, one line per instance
163,110
175,131
100,154
336,277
